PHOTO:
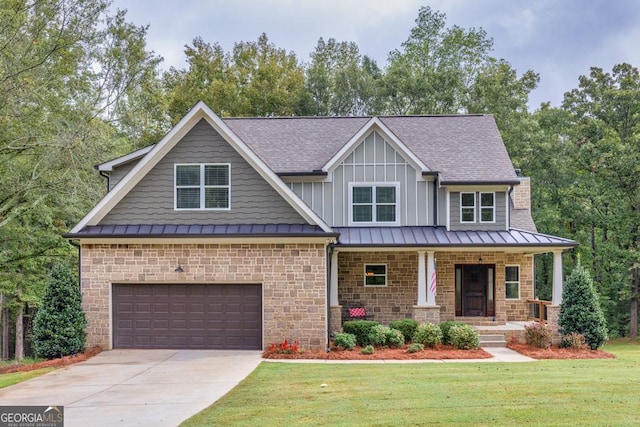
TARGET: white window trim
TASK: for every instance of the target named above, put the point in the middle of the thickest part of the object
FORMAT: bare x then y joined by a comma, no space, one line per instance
475,202
493,208
353,223
511,281
202,187
386,275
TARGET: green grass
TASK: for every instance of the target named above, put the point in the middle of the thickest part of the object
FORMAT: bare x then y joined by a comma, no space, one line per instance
17,377
554,392
25,361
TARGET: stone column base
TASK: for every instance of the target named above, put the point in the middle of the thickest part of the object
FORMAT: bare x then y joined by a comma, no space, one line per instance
335,323
553,314
424,314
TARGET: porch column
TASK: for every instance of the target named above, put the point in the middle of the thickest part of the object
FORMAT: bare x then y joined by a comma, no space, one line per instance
333,286
422,281
556,295
431,271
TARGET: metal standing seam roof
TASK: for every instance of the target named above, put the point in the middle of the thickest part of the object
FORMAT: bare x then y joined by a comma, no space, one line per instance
439,236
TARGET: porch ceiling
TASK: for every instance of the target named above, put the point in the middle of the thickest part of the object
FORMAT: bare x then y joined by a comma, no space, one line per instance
362,237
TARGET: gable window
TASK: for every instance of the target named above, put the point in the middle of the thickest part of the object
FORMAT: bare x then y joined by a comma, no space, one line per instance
202,186
512,281
467,207
375,275
487,207
374,203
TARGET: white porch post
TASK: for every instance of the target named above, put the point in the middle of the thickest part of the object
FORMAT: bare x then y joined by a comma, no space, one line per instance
431,269
422,281
556,298
333,286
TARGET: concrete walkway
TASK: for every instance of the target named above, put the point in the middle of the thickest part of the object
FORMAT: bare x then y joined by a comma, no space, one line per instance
500,354
136,387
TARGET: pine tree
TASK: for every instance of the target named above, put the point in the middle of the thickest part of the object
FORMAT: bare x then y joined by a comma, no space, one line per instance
580,311
59,325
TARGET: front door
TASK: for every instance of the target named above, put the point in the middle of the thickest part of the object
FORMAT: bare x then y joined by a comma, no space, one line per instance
475,290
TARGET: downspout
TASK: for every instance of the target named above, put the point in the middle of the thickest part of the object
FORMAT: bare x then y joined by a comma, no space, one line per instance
79,263
328,275
106,175
509,207
436,188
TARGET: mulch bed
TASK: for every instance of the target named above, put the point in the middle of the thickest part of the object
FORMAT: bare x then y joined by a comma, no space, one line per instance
558,353
52,363
439,353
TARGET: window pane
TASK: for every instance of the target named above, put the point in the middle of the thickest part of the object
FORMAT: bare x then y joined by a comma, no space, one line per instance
511,291
216,175
467,215
188,175
512,274
468,199
216,198
375,269
375,280
188,198
386,213
486,215
362,213
362,195
486,199
385,195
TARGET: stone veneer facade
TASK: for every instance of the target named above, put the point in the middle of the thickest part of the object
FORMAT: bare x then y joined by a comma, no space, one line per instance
293,278
398,298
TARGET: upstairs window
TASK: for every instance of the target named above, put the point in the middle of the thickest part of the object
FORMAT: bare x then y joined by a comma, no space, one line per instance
467,207
487,207
374,204
483,203
202,186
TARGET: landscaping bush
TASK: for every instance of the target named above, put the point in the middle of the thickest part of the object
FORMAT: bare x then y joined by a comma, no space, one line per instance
445,327
464,337
580,310
344,340
428,334
378,335
59,325
415,347
395,338
361,329
574,341
285,347
406,326
368,350
538,335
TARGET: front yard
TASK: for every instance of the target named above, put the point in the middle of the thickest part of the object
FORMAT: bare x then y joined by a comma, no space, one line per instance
546,392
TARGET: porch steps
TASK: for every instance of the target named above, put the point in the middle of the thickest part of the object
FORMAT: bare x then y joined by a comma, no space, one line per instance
492,340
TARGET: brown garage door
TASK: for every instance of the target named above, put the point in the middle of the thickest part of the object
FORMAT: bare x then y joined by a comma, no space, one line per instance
187,316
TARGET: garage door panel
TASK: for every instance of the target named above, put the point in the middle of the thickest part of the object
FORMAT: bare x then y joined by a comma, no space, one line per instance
187,316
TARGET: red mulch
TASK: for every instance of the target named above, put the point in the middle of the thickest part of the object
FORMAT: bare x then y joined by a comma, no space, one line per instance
53,363
558,353
439,353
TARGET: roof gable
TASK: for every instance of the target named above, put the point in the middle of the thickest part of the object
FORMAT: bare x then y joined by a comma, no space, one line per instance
155,154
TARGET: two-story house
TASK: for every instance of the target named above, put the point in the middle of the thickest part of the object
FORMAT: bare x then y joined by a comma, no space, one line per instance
240,232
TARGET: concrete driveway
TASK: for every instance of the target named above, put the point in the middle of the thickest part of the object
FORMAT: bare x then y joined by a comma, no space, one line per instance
136,387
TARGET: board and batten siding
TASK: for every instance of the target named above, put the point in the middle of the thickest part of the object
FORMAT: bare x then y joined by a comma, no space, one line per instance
373,160
500,214
253,200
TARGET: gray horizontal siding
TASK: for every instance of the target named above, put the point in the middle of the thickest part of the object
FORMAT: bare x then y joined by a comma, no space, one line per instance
500,214
116,175
253,200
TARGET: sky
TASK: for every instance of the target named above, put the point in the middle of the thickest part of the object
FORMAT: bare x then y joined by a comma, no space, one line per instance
558,39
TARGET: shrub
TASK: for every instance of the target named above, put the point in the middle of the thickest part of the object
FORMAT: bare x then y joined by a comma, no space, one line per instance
464,337
574,341
415,347
59,325
406,326
368,350
395,338
428,334
361,329
285,347
580,310
445,327
538,335
344,340
378,335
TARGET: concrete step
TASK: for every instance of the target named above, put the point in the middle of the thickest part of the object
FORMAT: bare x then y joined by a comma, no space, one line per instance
493,340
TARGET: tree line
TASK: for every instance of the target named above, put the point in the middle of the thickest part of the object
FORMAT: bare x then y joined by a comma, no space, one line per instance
81,87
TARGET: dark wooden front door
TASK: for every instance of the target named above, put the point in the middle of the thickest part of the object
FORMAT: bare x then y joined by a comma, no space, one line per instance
474,289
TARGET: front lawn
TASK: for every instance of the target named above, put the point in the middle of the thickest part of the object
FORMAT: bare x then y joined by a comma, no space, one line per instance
17,377
546,392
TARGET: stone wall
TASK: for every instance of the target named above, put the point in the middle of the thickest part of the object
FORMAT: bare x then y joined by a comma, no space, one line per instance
293,277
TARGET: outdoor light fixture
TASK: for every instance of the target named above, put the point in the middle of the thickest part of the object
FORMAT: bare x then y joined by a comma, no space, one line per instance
480,260
179,269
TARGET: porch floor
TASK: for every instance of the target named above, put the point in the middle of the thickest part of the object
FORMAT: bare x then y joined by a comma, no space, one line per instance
509,326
